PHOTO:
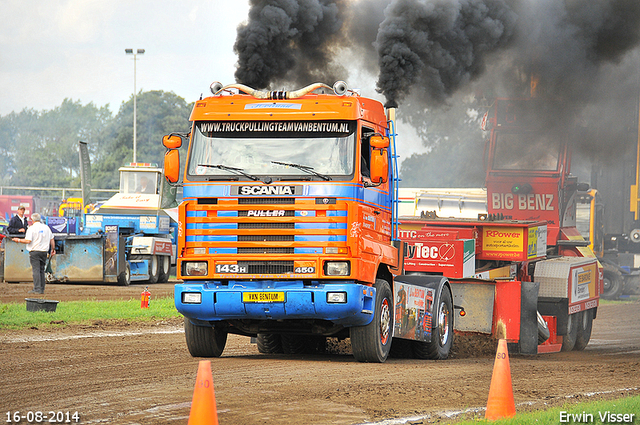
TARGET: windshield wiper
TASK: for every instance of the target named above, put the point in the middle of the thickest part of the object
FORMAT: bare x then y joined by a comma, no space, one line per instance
304,168
233,169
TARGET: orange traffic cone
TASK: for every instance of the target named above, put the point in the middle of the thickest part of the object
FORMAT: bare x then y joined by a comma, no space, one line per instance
203,406
500,403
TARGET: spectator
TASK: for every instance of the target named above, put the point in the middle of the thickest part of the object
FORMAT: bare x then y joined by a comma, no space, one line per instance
39,240
18,224
145,186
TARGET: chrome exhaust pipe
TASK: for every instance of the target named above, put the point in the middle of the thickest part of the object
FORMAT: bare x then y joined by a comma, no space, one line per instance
339,88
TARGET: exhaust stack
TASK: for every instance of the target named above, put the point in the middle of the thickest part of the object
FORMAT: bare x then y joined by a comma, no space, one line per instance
339,88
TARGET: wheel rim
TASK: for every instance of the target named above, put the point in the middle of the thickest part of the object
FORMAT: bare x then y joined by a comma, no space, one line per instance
165,265
607,284
443,323
385,321
154,265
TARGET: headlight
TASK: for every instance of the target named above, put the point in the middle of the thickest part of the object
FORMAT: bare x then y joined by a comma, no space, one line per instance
336,297
195,268
191,297
337,268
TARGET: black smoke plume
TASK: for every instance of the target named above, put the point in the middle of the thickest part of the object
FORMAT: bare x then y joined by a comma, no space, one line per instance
287,40
439,44
434,48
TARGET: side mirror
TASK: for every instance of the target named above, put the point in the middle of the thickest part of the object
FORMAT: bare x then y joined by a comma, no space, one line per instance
172,165
172,141
379,142
379,165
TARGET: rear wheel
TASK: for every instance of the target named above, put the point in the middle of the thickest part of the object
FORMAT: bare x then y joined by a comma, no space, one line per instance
154,269
613,283
442,336
302,344
204,341
543,330
293,344
401,348
372,342
584,329
269,344
124,278
165,268
569,340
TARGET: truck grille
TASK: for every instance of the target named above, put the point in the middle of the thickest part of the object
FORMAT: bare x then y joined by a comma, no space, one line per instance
265,250
265,238
257,201
246,226
265,234
267,267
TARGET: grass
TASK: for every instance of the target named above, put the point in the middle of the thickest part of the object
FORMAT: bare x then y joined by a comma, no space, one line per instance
16,316
591,413
625,300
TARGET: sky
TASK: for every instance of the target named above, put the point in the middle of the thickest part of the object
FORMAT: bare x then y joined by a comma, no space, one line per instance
56,49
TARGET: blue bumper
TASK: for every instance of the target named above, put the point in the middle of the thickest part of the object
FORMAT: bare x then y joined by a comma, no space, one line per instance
295,300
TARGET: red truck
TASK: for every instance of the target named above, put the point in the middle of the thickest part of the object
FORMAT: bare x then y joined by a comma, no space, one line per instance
522,271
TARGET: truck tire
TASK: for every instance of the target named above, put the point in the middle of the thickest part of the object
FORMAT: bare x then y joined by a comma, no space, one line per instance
154,269
372,342
269,344
293,344
543,329
302,344
124,278
584,329
442,335
569,339
165,268
613,283
204,341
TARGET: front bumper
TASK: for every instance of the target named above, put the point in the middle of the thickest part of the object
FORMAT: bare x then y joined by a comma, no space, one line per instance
297,300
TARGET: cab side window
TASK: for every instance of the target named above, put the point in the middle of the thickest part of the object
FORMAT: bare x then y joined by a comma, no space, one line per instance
365,152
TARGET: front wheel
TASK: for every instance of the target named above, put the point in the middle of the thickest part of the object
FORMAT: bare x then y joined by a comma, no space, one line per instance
442,335
204,341
124,278
372,342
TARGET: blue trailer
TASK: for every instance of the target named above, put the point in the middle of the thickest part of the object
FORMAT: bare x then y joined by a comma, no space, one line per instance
128,238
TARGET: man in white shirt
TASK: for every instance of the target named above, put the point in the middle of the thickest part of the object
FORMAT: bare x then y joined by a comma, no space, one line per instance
39,240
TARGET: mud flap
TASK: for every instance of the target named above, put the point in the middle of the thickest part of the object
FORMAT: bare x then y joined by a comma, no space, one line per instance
529,318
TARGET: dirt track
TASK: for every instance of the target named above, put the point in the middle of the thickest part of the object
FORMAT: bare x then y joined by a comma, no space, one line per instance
143,374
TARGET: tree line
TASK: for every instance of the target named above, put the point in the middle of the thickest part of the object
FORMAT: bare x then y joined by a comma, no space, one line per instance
40,148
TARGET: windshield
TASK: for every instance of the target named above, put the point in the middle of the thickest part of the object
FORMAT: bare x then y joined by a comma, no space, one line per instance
525,151
274,149
138,182
583,219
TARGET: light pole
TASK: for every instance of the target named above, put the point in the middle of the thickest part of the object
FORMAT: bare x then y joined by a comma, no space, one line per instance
135,96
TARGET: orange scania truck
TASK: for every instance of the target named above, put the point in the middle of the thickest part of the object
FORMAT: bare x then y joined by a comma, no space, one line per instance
287,226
